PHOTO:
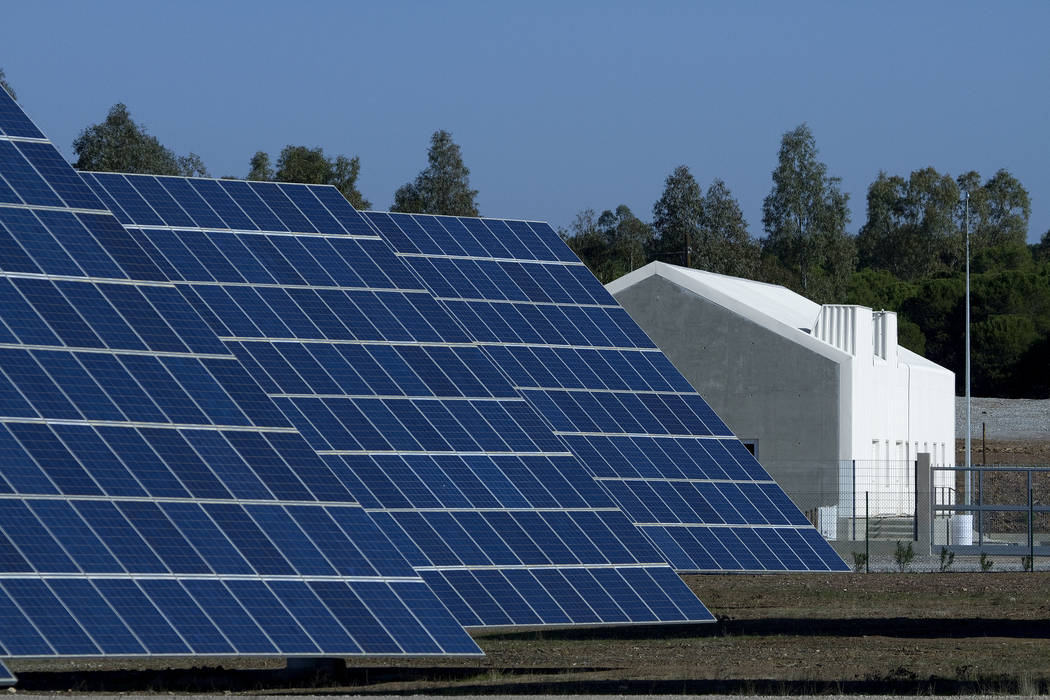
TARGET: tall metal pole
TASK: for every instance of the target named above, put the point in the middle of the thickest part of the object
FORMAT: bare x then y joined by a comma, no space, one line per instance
969,476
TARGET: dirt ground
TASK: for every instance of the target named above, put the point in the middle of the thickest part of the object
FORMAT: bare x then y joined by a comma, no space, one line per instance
1005,452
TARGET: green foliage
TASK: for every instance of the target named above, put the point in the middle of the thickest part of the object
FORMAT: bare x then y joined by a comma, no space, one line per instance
725,242
877,289
260,168
937,308
985,563
1041,250
1003,256
312,167
6,85
999,343
677,218
1026,562
947,559
705,231
860,561
805,217
443,187
999,209
120,145
903,555
611,244
910,336
910,230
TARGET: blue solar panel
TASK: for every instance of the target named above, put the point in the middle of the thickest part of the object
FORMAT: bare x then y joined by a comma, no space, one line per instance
415,420
149,487
6,677
612,398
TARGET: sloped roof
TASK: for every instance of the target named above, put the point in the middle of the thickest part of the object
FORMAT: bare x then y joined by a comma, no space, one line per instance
772,306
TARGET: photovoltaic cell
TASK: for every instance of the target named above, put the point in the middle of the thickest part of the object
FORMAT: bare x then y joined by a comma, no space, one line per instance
614,401
131,439
448,458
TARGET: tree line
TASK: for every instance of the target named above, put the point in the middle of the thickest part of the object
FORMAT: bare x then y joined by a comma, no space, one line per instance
908,255
119,144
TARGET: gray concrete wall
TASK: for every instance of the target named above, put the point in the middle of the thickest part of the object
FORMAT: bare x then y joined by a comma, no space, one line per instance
764,386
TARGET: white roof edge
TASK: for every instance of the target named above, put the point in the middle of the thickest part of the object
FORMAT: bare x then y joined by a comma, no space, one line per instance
907,357
679,277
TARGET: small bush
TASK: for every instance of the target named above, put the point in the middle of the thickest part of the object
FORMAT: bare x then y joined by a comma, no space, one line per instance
947,559
986,563
903,556
860,561
1026,562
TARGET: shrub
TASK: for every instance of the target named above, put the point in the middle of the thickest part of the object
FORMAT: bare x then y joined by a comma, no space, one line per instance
947,559
903,556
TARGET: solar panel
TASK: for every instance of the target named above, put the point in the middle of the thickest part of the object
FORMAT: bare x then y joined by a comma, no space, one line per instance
446,456
153,499
6,677
609,394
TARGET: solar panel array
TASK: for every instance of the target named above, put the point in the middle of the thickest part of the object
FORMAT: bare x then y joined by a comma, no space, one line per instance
605,389
450,461
153,499
243,418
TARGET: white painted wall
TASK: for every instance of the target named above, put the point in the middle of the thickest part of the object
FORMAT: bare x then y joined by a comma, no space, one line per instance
898,404
892,403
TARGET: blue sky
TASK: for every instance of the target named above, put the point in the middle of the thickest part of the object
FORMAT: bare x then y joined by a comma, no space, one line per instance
557,106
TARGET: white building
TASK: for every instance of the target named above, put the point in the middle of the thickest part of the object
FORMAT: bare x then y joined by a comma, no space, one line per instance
829,402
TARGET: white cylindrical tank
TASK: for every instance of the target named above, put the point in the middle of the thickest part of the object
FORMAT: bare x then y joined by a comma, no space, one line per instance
962,529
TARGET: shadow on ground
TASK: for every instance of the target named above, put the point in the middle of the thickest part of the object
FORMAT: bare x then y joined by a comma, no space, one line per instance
903,627
453,682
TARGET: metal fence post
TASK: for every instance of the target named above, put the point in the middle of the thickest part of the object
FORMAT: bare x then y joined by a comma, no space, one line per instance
980,512
854,538
867,540
1031,525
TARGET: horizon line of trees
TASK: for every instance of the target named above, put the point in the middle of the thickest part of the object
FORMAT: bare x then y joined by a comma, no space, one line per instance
907,256
119,144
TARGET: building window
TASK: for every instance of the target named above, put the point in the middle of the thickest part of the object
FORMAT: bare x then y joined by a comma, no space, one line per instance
752,447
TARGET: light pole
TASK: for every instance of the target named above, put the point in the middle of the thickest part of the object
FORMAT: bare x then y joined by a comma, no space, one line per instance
969,475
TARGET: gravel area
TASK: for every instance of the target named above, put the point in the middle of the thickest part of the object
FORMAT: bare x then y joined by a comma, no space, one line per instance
1005,419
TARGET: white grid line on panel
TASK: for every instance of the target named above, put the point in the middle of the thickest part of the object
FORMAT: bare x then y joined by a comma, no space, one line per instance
562,263
117,351
42,207
220,229
445,453
265,285
676,436
520,302
336,341
141,424
183,499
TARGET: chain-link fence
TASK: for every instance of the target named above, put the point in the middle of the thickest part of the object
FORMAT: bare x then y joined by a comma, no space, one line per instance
859,499
998,510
